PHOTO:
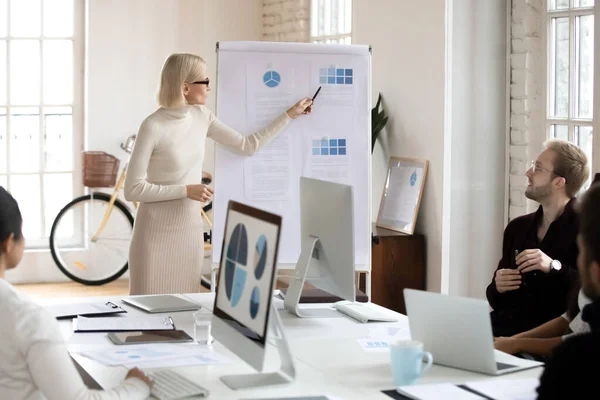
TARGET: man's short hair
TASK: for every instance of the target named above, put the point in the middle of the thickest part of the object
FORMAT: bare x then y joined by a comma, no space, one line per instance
570,163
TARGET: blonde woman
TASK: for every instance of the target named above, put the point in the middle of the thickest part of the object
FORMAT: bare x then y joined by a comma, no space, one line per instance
34,361
164,175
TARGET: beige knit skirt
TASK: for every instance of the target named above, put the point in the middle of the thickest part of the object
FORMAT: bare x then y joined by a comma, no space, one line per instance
167,248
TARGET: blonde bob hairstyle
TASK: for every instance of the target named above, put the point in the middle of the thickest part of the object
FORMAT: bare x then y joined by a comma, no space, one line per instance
179,69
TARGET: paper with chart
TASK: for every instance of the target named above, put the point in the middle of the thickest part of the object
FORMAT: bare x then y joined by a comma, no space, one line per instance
269,94
373,345
402,195
327,158
138,354
267,174
207,358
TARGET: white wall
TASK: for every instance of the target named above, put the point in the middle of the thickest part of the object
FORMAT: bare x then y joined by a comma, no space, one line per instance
476,143
414,47
127,43
408,69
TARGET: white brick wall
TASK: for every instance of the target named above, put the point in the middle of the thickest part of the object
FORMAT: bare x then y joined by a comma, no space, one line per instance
526,96
286,20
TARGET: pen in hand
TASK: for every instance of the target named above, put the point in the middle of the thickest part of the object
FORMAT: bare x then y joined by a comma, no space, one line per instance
309,108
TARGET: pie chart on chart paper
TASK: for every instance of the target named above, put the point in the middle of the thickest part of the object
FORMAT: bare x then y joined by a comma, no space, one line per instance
236,264
260,259
272,79
254,302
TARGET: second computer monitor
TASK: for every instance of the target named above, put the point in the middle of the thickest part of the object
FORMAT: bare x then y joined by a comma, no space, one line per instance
327,213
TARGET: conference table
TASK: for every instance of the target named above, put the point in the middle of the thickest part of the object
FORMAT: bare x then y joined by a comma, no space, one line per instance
328,355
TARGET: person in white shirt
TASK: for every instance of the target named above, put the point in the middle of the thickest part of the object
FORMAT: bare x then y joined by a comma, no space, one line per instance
34,361
166,252
541,341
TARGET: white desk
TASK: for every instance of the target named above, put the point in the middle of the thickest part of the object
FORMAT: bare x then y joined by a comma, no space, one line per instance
329,360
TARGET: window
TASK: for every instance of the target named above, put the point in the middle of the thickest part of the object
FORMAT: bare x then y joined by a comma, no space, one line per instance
331,21
41,60
571,72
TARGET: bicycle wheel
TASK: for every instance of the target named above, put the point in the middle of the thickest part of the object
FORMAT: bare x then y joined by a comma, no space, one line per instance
75,251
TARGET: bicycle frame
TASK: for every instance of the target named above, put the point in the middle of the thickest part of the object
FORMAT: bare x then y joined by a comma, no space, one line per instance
113,198
127,146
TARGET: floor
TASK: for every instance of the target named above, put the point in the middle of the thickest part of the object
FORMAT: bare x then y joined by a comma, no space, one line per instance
73,289
119,287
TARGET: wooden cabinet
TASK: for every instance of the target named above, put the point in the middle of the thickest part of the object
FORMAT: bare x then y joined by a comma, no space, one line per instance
398,262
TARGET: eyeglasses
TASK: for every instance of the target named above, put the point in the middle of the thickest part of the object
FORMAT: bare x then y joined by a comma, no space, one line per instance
204,82
535,168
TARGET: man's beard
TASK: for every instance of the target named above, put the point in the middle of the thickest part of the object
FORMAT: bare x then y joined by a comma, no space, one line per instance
539,193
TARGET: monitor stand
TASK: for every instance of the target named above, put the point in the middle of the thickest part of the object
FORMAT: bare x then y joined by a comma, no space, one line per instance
291,301
286,373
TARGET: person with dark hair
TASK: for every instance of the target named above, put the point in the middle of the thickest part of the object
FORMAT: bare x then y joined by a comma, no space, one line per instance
573,371
34,361
537,271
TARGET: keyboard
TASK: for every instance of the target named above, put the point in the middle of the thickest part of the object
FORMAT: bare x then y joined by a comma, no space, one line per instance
169,385
362,312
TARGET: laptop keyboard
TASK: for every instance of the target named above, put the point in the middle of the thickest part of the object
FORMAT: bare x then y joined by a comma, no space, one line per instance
500,366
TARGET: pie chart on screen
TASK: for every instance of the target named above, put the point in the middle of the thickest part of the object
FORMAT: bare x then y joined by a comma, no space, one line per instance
260,259
254,302
236,263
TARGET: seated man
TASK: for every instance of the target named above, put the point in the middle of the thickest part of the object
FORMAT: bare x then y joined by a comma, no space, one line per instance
573,371
540,342
537,269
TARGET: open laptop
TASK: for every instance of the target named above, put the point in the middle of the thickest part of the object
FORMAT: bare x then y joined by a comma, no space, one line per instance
457,331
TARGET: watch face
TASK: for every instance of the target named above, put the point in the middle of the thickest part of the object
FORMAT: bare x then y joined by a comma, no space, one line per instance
555,264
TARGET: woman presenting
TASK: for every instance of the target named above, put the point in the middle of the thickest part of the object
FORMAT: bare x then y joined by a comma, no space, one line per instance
164,174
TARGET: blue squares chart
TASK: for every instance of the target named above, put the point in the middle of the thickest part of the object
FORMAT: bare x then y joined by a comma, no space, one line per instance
336,76
329,147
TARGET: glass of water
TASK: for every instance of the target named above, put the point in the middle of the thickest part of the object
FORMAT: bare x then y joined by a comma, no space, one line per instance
202,322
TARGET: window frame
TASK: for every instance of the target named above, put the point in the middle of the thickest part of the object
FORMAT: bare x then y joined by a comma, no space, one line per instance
333,38
570,121
77,116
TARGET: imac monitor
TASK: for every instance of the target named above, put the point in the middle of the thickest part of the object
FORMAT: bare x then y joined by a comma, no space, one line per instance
327,244
245,282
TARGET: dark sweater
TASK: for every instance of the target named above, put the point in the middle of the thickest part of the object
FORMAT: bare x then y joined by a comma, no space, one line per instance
541,296
573,371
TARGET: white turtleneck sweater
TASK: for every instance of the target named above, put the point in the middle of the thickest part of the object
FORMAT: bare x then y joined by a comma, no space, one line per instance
166,253
169,150
34,361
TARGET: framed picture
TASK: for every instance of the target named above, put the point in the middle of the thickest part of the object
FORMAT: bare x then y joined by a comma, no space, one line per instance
402,194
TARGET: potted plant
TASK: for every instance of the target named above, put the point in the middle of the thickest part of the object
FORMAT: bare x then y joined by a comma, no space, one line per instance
378,121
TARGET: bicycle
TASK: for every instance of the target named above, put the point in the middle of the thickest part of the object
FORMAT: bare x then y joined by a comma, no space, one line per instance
90,236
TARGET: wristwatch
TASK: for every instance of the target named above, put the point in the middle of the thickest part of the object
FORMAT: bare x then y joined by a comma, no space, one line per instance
555,265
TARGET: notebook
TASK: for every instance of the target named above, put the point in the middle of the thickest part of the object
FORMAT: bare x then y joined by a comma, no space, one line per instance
436,391
161,303
122,324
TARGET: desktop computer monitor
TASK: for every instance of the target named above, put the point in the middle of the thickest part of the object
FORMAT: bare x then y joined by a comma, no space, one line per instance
242,311
327,244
